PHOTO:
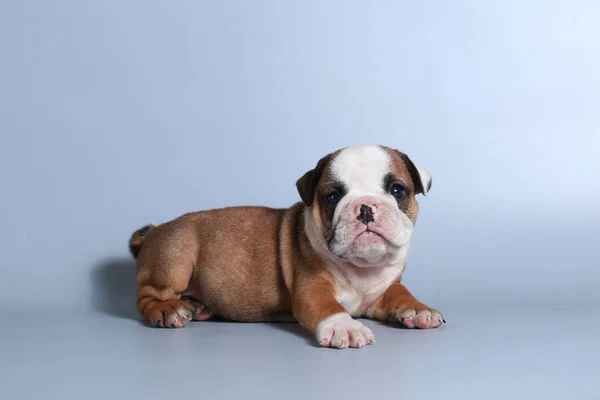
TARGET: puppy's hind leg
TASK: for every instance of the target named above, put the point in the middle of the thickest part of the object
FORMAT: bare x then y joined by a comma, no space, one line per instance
162,280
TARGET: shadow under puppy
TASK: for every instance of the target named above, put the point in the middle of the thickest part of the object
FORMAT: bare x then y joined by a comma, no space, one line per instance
337,254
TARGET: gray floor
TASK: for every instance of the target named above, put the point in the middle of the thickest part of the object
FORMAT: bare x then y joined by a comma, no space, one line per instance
508,351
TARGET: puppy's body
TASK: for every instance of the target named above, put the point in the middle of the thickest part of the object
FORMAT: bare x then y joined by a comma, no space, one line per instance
242,283
337,254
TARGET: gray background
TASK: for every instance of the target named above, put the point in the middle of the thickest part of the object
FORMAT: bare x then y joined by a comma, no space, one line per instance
118,114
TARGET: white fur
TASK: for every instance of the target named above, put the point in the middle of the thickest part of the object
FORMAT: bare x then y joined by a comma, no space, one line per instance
341,331
364,166
362,170
358,288
425,180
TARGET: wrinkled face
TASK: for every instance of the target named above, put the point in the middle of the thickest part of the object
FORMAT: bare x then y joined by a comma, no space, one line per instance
361,203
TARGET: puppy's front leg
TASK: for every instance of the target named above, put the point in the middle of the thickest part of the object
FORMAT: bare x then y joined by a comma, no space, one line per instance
314,306
397,304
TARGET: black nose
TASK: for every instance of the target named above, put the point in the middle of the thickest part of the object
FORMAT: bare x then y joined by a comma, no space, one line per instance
366,214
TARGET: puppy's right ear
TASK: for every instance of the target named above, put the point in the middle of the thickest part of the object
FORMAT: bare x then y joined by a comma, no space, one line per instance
307,185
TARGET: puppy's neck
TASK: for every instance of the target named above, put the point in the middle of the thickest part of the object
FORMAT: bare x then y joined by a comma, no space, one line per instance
358,268
366,280
387,260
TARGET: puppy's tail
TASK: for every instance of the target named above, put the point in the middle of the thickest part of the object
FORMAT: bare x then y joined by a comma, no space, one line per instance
136,242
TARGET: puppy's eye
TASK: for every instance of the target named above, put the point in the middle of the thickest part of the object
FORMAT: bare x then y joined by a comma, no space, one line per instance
398,191
333,198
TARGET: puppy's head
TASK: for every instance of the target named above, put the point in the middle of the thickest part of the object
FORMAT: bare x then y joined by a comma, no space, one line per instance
361,205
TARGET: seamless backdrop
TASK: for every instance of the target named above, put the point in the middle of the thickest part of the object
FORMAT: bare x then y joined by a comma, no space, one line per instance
118,114
113,116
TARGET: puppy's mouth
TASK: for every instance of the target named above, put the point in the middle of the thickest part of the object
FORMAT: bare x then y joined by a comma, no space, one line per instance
369,233
366,232
367,237
372,232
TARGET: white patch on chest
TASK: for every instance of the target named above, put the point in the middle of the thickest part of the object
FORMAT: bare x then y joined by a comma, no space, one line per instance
357,288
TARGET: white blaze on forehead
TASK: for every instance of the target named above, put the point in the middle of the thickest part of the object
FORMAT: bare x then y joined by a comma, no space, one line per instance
362,169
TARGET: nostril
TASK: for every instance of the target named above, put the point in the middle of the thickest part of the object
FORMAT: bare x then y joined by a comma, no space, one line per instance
366,214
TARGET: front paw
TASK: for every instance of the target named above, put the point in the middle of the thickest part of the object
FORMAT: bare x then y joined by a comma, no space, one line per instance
342,331
419,316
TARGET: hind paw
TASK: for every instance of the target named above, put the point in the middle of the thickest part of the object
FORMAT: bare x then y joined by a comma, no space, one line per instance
176,313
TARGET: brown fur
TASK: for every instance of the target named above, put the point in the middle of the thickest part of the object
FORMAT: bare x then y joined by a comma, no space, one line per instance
404,169
250,263
222,258
137,240
310,285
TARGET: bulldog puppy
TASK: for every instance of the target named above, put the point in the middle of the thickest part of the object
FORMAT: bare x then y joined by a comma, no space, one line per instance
337,255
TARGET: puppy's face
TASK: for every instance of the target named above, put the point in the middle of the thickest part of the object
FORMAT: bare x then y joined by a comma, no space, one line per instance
361,205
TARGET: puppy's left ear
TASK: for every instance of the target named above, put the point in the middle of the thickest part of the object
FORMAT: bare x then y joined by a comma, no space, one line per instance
420,177
307,185
425,180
